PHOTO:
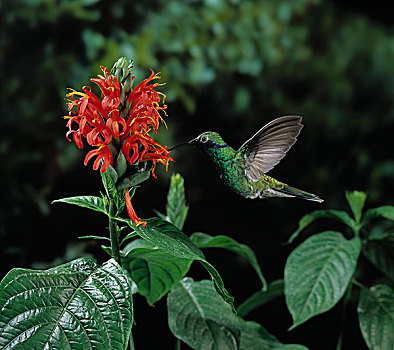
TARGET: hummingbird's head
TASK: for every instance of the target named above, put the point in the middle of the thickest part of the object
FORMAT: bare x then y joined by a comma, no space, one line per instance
208,141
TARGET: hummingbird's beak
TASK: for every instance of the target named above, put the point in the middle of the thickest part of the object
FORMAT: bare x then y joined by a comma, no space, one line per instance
189,143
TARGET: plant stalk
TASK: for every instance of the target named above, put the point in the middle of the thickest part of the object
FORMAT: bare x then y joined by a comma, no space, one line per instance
178,344
131,342
113,232
345,309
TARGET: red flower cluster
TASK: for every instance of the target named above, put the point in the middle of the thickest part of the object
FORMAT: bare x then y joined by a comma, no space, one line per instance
99,121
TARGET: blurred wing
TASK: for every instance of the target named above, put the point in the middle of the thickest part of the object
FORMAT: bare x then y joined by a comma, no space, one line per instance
269,145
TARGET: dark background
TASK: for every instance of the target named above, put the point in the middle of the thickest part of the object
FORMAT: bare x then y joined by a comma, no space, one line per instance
229,66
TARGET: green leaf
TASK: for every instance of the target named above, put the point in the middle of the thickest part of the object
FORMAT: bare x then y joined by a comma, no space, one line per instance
170,239
120,201
109,179
155,272
128,236
176,202
202,240
376,316
255,336
307,219
79,305
197,316
90,202
200,318
111,172
386,212
275,289
317,274
381,254
94,237
120,164
133,180
356,200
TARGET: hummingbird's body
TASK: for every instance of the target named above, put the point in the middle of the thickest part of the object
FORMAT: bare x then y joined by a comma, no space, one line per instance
244,170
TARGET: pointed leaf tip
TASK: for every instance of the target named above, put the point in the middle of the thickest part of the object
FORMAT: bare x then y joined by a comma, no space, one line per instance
356,200
176,207
307,219
90,202
203,240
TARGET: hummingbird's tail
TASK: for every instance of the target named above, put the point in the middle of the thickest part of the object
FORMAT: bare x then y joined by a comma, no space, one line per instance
295,192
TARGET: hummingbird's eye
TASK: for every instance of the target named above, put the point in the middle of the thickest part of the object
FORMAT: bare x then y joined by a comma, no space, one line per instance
204,139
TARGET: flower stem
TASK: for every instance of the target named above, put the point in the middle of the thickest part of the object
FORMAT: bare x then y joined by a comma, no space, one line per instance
131,342
345,310
113,232
178,344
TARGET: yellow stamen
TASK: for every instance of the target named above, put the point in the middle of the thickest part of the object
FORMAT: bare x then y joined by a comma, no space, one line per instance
132,121
163,121
115,109
74,92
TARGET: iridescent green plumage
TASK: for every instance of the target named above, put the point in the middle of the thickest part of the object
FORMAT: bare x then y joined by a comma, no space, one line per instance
244,171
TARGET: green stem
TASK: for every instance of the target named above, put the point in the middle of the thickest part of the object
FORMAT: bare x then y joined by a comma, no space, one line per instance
113,232
131,342
178,344
358,284
346,302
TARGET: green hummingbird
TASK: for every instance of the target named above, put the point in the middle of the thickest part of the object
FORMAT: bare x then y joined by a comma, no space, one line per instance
245,170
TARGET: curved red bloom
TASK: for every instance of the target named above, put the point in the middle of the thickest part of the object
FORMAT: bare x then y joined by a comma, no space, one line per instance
130,210
103,152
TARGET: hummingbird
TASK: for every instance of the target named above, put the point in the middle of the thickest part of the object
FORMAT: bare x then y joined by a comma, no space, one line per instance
245,170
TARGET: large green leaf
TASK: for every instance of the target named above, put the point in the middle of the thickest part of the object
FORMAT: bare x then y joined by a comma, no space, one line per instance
380,252
318,272
176,202
356,200
255,336
275,289
90,202
170,239
200,318
79,305
376,317
307,219
386,212
203,240
155,272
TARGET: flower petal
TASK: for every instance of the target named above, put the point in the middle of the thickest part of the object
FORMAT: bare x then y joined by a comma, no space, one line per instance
130,210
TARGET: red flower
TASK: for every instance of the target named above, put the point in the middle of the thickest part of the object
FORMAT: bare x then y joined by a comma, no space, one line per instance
99,120
123,114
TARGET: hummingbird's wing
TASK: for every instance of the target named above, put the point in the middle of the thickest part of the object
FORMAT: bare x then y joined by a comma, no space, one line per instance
269,145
